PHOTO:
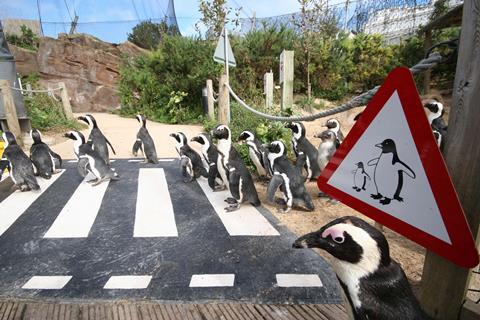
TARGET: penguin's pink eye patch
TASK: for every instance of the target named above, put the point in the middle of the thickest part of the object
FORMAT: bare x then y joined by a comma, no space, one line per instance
336,233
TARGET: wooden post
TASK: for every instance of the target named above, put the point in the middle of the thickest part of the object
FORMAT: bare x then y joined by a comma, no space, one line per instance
10,111
286,78
67,108
210,105
223,101
268,80
427,75
444,284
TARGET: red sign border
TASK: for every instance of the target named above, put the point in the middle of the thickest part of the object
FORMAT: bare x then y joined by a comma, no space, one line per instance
462,251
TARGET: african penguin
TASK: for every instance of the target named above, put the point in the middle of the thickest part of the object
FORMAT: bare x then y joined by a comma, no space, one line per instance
43,158
360,177
388,174
256,151
232,167
190,161
374,283
83,166
21,167
144,142
97,139
326,148
210,158
435,111
289,178
334,125
301,144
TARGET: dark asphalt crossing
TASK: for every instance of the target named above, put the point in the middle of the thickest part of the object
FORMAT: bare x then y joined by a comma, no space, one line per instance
263,269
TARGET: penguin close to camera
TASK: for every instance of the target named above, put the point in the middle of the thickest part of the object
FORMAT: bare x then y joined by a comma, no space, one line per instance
435,111
301,144
210,158
144,142
43,158
326,148
289,178
97,139
389,173
256,151
21,167
190,161
83,166
334,125
375,285
232,167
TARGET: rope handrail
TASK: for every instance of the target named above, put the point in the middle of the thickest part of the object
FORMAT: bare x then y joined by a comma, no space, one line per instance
423,65
37,90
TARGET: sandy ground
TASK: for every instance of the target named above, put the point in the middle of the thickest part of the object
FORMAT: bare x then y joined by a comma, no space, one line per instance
122,132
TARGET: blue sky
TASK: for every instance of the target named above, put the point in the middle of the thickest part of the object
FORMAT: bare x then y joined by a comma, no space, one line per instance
123,10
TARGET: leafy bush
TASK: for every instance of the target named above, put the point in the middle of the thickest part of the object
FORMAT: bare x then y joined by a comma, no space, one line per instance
179,67
149,35
27,40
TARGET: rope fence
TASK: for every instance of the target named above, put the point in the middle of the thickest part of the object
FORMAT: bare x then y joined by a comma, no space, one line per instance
423,65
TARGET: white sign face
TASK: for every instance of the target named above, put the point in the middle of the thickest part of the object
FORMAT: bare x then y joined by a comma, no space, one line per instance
219,55
384,170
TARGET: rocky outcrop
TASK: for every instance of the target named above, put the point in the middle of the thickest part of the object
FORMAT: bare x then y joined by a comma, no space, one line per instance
89,67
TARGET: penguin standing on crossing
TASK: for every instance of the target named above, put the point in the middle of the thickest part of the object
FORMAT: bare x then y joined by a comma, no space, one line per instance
43,158
334,125
389,172
326,148
83,166
375,285
435,111
360,177
301,144
289,178
21,167
233,169
210,158
144,142
97,139
190,161
90,160
256,151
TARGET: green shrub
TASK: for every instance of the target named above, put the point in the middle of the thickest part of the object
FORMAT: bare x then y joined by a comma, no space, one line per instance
28,40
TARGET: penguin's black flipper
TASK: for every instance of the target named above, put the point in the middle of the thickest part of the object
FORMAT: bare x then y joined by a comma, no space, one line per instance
234,183
212,175
301,160
136,147
113,150
275,183
83,167
31,181
56,156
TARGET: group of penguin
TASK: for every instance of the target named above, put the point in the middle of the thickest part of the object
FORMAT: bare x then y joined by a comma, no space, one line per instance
224,168
92,155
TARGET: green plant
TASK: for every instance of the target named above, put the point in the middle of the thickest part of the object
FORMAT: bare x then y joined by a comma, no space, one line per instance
27,39
149,35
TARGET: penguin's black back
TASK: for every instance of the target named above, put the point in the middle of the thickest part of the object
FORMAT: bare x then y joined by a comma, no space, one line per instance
148,144
305,146
236,161
386,294
40,156
99,143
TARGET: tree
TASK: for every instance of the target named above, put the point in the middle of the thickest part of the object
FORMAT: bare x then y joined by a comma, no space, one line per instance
215,14
149,35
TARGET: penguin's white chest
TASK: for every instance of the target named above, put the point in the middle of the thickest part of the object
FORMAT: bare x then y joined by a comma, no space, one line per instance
386,175
358,178
223,157
324,153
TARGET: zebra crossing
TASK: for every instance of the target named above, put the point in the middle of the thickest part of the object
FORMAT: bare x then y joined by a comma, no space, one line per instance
149,235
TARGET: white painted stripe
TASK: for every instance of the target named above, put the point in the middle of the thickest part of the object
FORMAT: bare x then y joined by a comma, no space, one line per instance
15,204
246,221
212,280
154,215
47,282
128,282
165,160
136,160
298,280
77,216
72,161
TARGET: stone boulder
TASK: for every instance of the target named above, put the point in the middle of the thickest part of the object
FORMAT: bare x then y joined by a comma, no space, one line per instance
89,67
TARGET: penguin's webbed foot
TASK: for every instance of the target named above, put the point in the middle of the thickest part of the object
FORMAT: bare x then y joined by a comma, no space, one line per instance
357,189
376,196
231,200
24,187
93,180
385,201
280,201
219,188
233,207
398,198
285,209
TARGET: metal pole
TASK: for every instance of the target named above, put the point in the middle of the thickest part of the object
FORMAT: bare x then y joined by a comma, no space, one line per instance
227,82
226,51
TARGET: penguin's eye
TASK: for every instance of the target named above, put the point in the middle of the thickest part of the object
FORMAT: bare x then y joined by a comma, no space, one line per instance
339,239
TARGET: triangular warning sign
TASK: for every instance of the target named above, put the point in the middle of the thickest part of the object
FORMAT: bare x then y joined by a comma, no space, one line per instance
390,169
219,55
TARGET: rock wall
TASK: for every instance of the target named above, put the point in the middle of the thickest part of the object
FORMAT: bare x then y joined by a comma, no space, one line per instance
89,67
